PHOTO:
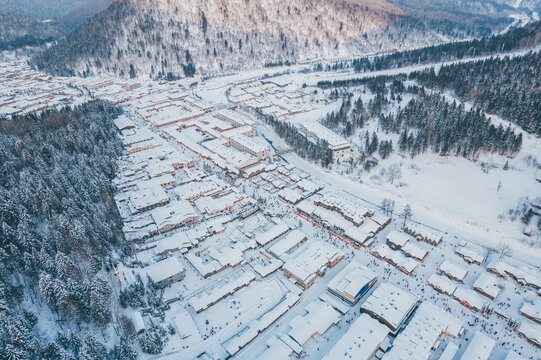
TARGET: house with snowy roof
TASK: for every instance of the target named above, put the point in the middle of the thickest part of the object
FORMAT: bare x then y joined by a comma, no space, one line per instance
312,262
352,282
166,272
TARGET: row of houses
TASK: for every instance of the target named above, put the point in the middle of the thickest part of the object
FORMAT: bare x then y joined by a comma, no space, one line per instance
357,225
271,97
423,234
395,258
466,297
401,241
524,277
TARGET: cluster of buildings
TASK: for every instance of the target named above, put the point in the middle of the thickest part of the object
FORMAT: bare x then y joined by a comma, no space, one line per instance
400,251
350,220
283,100
272,97
226,137
146,179
290,184
24,90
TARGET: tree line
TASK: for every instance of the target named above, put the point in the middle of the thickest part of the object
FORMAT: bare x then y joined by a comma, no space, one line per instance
316,151
519,38
58,228
509,87
429,121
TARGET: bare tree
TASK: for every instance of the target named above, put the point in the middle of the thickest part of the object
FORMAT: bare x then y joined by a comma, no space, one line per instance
394,173
391,207
385,206
406,214
504,249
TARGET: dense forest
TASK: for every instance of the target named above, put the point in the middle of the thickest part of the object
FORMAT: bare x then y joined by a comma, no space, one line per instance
40,9
515,39
317,152
59,231
17,31
508,87
427,122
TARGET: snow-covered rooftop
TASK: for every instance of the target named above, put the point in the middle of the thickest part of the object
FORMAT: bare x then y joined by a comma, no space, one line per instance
164,269
449,352
442,283
453,270
487,284
277,350
416,341
288,242
532,310
315,129
234,117
314,258
349,282
173,214
471,297
204,300
319,317
390,303
479,347
397,238
531,331
274,232
361,341
471,252
148,197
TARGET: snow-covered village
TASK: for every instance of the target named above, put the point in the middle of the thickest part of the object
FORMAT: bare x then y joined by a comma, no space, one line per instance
319,209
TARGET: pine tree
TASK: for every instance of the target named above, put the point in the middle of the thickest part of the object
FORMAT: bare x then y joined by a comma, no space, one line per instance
124,351
99,302
151,341
132,71
92,349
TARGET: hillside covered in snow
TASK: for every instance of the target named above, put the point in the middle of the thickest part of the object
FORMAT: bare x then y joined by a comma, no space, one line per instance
172,39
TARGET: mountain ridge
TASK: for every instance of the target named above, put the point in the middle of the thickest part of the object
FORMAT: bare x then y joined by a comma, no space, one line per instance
171,39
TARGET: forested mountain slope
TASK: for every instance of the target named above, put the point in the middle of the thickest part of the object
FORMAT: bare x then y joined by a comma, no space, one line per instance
78,15
169,39
494,8
17,31
525,37
41,9
58,229
509,87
